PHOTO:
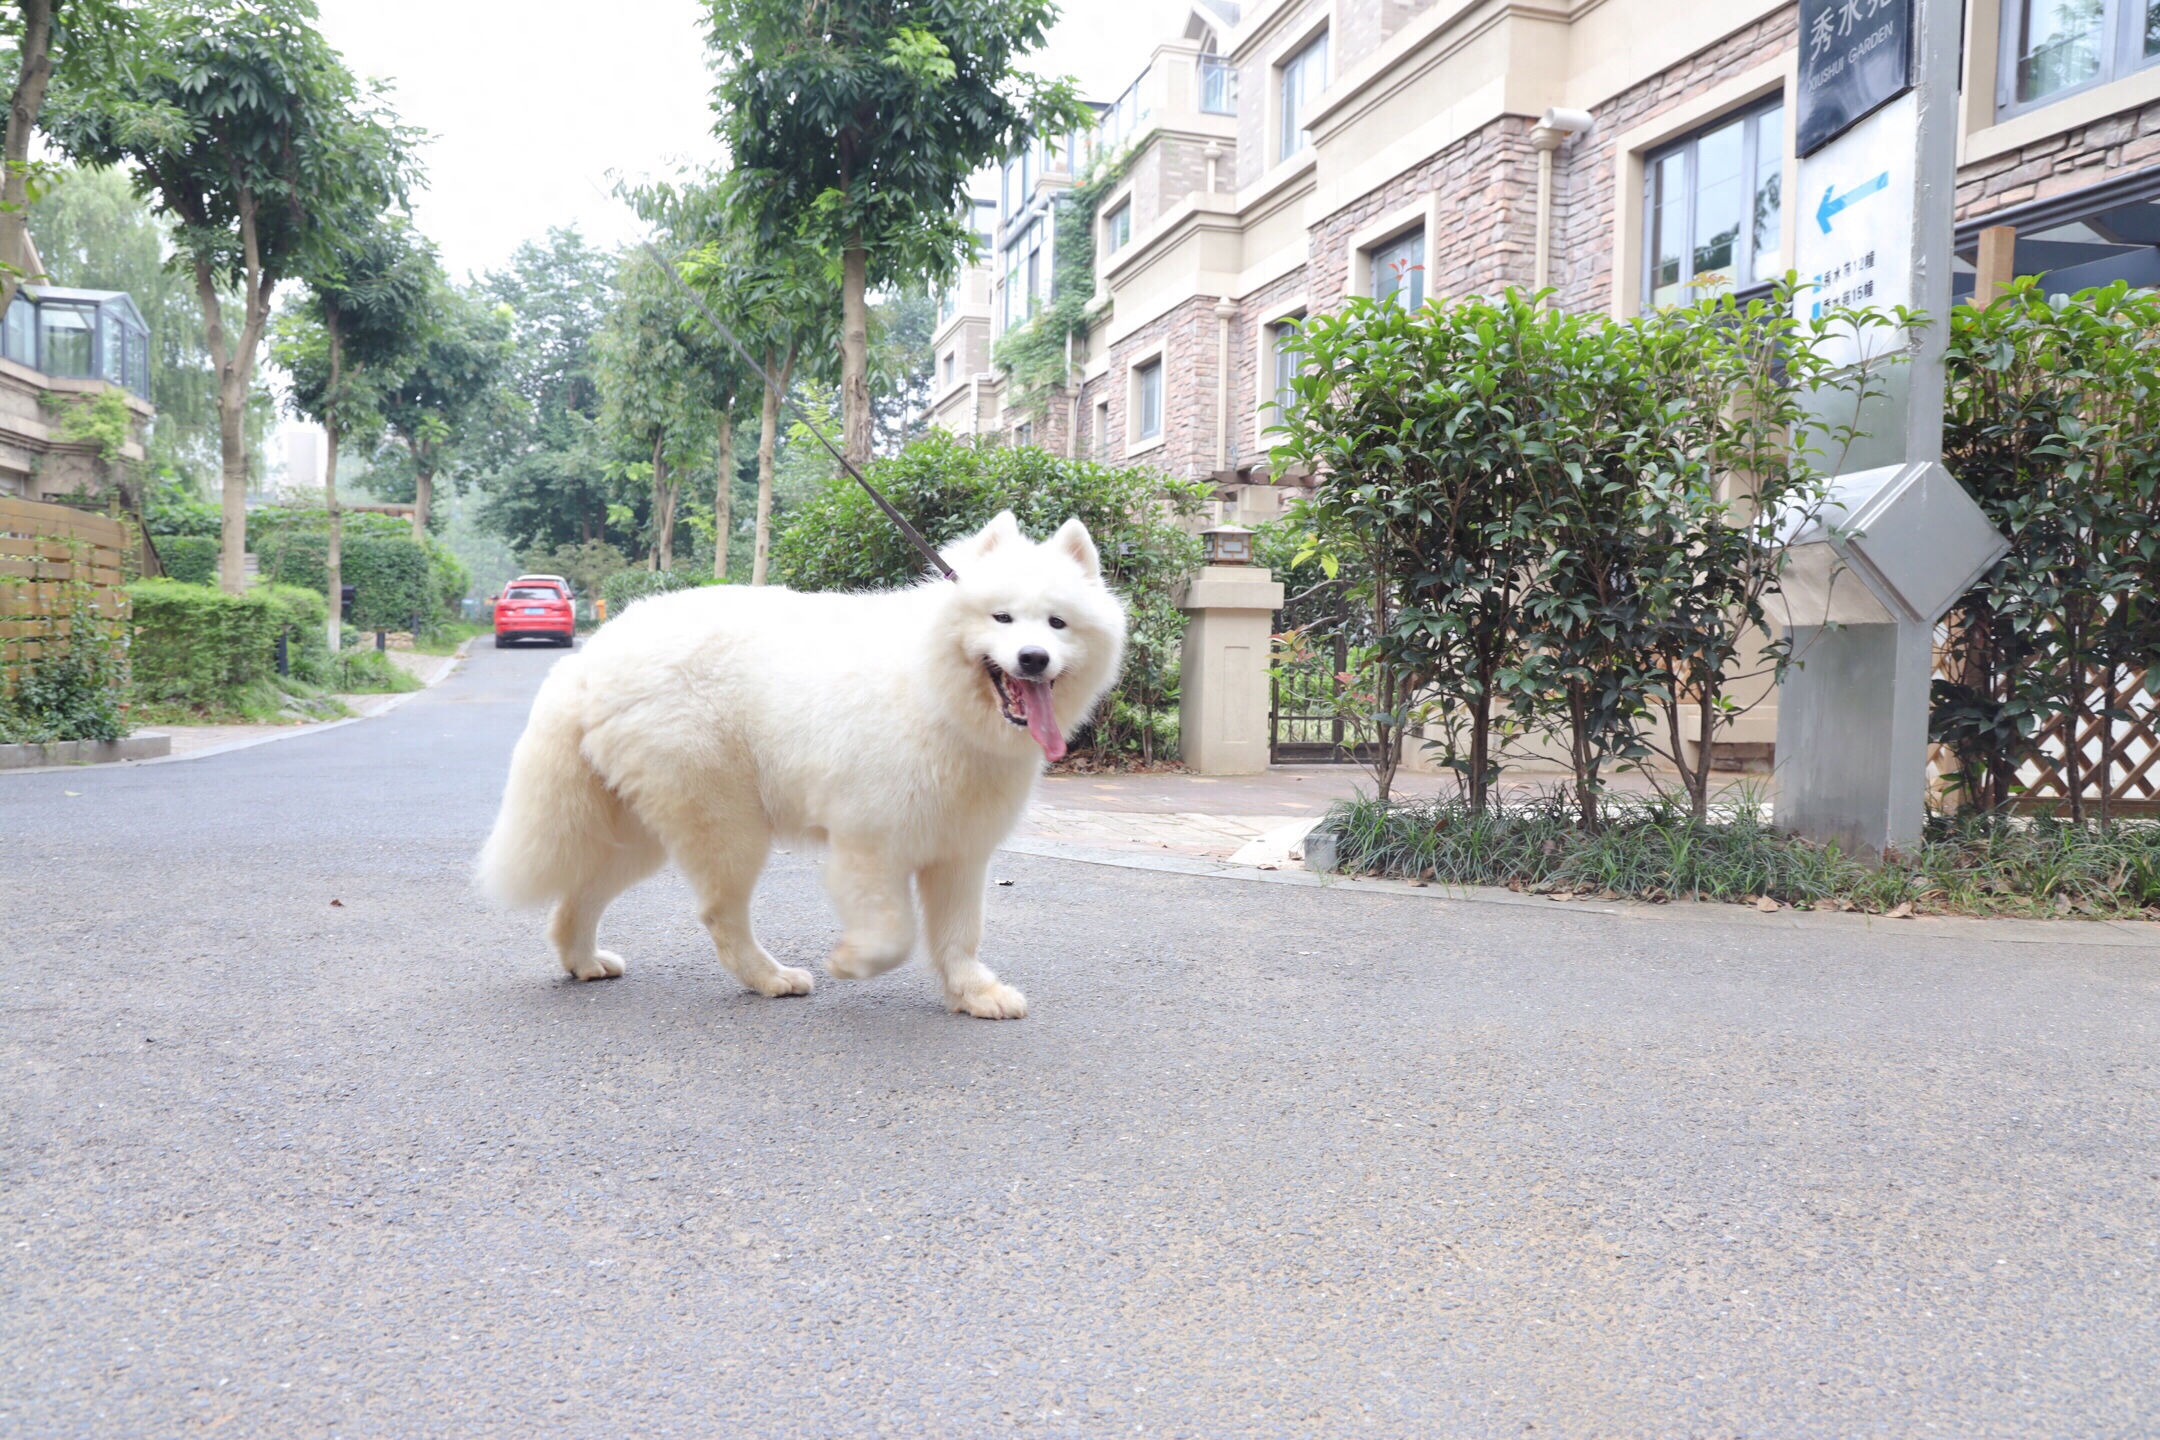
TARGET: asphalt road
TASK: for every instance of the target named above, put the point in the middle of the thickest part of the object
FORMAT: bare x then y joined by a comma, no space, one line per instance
1262,1161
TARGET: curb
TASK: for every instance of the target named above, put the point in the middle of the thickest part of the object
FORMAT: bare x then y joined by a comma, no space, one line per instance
458,657
2105,934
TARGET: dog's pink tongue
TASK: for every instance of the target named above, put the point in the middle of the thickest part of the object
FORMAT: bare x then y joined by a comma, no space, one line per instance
1041,719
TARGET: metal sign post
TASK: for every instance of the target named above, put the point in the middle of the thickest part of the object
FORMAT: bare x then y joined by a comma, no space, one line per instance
1899,539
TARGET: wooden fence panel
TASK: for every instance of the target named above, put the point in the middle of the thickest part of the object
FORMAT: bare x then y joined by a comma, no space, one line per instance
46,553
2127,749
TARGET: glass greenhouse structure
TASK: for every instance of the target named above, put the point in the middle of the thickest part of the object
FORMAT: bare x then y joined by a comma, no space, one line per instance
79,334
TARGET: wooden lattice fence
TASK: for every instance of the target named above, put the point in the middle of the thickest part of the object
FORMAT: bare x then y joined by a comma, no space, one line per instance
53,561
2118,759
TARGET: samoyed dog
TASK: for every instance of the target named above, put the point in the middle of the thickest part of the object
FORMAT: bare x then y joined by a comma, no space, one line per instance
900,732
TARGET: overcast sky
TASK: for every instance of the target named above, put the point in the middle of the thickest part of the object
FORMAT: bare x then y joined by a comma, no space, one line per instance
532,103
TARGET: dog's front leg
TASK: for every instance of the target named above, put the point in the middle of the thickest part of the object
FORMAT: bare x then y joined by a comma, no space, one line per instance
952,901
877,920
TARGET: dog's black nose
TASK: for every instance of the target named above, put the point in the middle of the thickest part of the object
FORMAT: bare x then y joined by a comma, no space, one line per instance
1034,660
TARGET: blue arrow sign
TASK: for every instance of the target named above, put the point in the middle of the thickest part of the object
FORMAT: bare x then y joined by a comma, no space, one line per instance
1832,204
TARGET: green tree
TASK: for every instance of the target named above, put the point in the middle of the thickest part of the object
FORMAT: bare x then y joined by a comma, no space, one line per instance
855,125
279,142
539,457
435,407
94,232
65,51
656,399
350,337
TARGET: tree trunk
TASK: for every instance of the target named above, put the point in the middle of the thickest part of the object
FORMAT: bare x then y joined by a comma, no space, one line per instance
855,353
663,507
423,495
723,493
334,559
33,74
768,443
234,364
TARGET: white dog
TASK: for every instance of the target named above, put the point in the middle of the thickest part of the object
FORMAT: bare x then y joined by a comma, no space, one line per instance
900,731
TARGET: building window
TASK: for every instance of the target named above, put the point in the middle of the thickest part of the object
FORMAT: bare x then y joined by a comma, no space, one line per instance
1038,271
1012,308
1398,269
1283,364
1024,433
1102,428
1713,210
1301,79
1147,401
1218,86
2051,47
64,341
1117,228
952,366
1010,197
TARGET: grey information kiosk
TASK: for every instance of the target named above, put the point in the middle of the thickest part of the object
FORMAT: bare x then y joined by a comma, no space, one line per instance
1865,580
1900,540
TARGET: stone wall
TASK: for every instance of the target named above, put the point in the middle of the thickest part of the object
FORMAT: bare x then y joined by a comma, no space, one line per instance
2063,162
1486,185
1586,169
1187,337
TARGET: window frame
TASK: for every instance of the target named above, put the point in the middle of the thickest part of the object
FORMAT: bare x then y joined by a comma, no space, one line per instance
1750,117
1150,362
1275,330
1315,52
1117,227
2121,54
1421,270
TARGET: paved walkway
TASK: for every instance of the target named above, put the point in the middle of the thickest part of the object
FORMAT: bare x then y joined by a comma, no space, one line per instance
194,739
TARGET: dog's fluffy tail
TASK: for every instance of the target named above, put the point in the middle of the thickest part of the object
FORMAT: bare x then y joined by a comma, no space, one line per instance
556,814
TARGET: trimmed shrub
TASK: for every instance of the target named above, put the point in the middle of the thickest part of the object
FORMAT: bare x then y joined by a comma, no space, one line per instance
196,648
625,587
392,576
191,559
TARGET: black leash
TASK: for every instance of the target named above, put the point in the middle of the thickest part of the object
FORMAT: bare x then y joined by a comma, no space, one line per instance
915,537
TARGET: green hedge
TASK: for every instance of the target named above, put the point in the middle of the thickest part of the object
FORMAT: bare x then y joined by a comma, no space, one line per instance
627,586
392,576
197,647
189,558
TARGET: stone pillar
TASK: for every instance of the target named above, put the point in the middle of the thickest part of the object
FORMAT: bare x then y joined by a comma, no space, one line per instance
1223,695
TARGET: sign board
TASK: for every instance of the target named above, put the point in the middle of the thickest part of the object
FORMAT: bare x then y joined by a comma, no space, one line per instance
1855,226
1855,57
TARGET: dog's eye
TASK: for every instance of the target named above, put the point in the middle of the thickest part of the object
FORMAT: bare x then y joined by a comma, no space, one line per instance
1056,624
1002,618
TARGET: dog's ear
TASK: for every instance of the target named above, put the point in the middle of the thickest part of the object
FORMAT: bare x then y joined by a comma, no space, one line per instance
1002,531
1073,538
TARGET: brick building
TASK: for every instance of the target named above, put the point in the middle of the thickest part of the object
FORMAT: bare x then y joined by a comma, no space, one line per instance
1279,155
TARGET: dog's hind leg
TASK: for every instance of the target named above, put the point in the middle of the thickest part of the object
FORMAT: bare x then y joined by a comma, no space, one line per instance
952,900
723,862
877,916
633,855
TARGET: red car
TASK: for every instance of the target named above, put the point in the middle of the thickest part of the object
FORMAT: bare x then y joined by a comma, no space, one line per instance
535,607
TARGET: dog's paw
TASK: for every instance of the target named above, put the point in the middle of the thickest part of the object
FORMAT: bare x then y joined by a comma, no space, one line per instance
604,965
994,1000
785,980
848,961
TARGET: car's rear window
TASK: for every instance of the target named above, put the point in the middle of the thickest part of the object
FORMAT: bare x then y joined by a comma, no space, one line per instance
533,592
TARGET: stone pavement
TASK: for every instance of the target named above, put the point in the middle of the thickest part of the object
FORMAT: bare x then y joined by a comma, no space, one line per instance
1245,819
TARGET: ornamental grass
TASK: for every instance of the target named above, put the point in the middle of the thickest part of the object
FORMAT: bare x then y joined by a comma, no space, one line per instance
1652,849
